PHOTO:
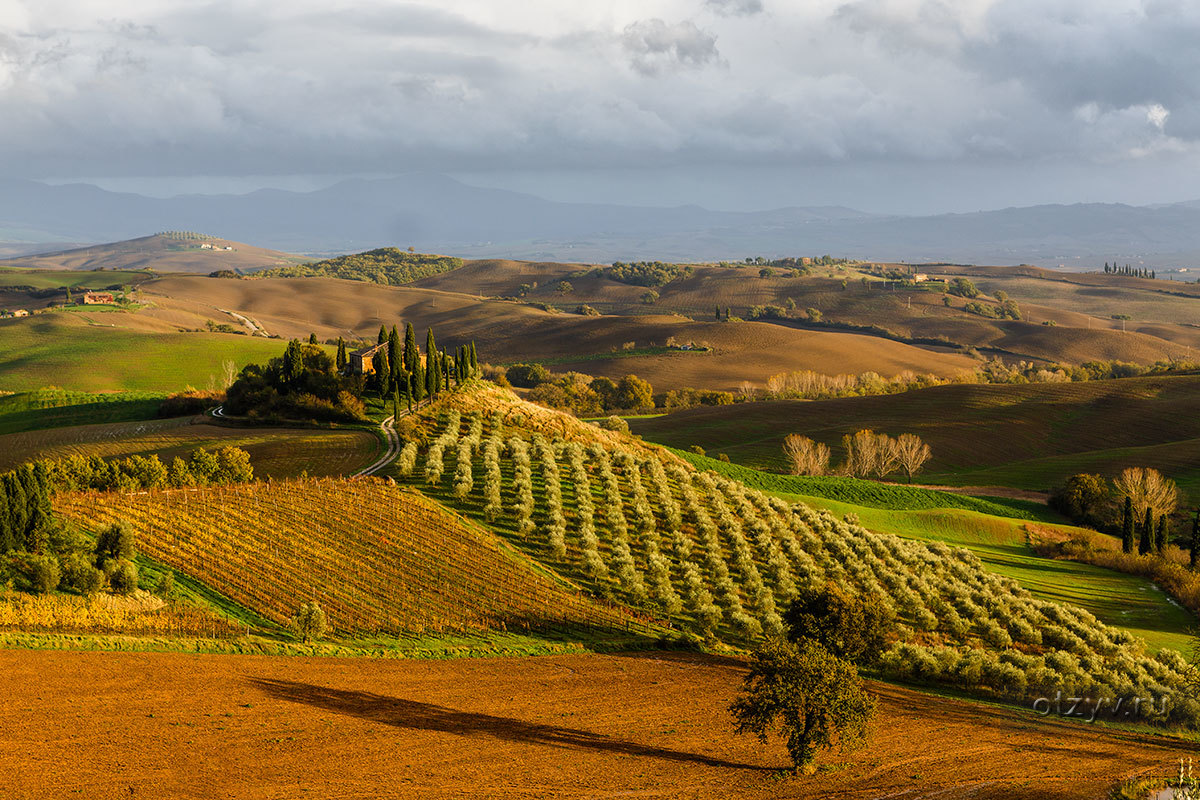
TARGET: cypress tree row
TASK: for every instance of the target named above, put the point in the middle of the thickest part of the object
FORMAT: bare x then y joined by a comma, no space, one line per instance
1127,540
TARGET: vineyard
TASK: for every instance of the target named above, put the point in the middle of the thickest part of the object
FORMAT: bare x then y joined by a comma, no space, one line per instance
142,616
378,559
707,554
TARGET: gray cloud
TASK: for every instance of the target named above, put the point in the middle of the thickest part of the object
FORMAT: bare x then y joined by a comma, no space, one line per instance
655,46
158,87
735,8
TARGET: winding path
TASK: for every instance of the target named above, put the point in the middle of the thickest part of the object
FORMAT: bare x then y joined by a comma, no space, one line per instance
393,448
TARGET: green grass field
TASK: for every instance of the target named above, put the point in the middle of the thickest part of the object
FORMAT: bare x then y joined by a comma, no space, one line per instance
53,279
70,352
54,408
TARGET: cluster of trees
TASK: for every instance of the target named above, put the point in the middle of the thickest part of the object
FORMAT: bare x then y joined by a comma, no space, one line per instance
576,392
868,454
646,273
586,396
25,514
962,287
401,373
1138,506
387,265
303,383
202,468
1007,308
1137,272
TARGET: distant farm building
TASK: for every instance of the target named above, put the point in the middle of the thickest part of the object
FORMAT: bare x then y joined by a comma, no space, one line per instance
362,362
98,298
920,277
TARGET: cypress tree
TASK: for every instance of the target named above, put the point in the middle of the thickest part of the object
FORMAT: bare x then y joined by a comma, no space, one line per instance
474,359
727,313
1160,540
39,510
383,372
1194,553
293,362
409,385
1127,525
445,369
383,333
5,522
312,338
18,511
342,358
412,356
1146,540
395,356
433,380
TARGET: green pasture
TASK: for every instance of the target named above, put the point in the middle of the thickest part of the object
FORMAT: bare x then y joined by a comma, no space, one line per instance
76,279
67,351
56,408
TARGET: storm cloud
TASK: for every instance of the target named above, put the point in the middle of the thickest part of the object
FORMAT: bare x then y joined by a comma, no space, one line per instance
218,87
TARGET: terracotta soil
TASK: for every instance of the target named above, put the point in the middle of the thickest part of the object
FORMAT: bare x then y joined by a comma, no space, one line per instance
102,725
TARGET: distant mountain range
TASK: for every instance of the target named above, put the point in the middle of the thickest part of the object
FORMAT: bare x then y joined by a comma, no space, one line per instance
438,214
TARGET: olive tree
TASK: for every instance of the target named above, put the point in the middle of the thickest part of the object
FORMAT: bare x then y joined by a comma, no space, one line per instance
814,699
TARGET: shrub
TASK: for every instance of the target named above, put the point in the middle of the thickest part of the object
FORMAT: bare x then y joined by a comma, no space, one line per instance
309,622
614,423
115,543
44,573
124,576
80,574
165,588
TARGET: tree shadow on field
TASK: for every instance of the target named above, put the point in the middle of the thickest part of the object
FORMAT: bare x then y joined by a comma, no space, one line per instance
415,715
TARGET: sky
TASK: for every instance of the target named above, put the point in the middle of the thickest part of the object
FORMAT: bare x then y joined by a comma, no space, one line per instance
892,106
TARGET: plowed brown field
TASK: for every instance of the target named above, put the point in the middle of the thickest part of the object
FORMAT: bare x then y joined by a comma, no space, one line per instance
107,725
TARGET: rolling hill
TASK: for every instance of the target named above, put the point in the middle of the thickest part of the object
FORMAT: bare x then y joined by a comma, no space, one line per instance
162,252
1028,436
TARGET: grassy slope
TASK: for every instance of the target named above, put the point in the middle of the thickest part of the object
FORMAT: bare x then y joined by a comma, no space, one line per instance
54,408
67,351
52,279
993,530
1028,436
